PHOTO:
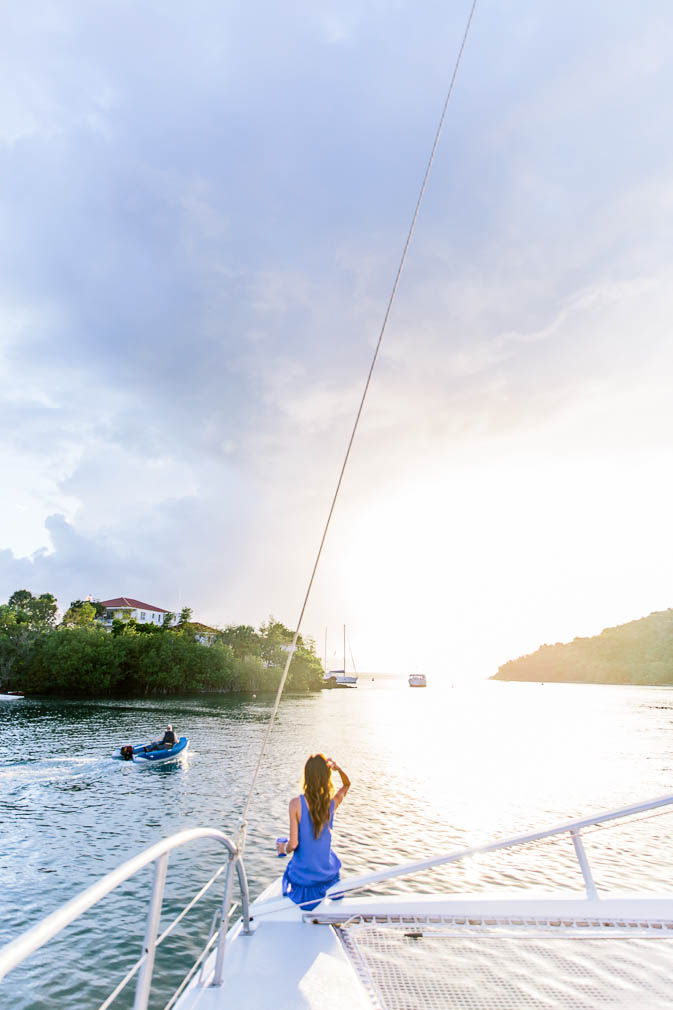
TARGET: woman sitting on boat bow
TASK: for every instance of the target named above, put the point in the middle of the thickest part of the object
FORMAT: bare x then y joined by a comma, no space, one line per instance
314,867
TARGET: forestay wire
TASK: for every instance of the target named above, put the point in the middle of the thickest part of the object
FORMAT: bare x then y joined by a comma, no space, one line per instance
243,822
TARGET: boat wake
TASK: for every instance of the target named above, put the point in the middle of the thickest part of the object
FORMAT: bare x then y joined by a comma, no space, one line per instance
31,771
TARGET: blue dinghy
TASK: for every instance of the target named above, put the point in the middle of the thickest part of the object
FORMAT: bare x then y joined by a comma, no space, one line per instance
141,752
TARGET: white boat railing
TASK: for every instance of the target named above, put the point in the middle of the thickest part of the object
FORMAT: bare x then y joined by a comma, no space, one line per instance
18,950
573,828
26,944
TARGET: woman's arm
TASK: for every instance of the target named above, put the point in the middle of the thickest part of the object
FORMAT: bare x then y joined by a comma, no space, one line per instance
285,848
340,794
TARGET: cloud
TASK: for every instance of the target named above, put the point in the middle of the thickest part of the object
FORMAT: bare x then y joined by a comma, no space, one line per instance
179,552
197,248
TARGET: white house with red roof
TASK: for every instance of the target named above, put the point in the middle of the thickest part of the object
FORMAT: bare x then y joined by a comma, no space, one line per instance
123,608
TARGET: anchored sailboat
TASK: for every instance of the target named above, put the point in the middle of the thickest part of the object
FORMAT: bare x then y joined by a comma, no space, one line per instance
339,678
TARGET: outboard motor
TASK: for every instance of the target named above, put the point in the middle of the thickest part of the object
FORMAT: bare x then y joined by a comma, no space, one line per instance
127,753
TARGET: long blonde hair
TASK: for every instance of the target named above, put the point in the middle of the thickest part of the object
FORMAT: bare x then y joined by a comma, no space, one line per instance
318,791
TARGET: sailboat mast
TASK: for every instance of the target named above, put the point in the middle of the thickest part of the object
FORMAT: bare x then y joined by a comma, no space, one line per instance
344,650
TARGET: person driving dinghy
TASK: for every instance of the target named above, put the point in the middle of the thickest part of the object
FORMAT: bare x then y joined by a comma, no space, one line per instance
168,740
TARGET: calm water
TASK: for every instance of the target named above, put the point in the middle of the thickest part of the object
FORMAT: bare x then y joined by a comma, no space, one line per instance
432,769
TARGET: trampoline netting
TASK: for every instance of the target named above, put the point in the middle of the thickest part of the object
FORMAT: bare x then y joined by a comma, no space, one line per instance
464,965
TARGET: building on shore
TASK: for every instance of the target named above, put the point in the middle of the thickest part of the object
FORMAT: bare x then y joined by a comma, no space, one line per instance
123,608
203,633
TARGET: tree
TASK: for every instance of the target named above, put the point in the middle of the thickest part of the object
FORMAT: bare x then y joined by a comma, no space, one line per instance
13,635
275,639
20,599
39,612
79,614
243,639
148,628
185,615
8,619
168,620
306,669
43,610
17,637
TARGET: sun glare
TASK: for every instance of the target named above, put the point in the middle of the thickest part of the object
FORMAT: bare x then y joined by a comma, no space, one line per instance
500,558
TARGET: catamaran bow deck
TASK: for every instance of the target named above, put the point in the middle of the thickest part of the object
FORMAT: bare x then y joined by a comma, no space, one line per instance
509,951
487,954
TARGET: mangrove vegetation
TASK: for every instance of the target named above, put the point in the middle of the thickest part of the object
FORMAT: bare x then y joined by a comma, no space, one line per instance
80,656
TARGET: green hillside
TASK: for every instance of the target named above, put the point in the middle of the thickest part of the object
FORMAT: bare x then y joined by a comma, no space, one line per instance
640,652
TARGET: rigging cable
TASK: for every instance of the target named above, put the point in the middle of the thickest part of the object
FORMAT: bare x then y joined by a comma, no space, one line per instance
350,649
243,822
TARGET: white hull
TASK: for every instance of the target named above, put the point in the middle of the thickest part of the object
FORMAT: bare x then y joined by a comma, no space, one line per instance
346,681
11,697
337,678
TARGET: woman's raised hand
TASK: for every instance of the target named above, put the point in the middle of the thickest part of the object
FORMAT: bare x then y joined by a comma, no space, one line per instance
345,781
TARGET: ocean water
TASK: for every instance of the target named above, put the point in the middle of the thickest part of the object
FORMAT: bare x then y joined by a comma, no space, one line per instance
432,770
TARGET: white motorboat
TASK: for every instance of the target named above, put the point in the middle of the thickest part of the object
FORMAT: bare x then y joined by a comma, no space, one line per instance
417,680
11,696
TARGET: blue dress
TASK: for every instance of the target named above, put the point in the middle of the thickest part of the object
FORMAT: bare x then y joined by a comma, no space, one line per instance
313,867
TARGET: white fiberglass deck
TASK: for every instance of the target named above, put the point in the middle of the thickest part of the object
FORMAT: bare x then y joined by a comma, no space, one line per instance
463,954
284,966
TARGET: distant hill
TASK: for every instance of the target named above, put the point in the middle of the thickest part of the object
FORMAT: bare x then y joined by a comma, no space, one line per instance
640,652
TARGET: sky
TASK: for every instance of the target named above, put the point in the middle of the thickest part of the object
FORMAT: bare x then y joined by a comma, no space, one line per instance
202,209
